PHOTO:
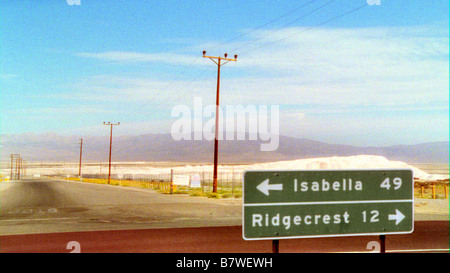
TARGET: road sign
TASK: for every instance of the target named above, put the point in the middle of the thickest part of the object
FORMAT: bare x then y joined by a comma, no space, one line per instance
181,180
321,203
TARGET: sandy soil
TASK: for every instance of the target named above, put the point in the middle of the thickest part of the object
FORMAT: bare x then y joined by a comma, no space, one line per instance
431,206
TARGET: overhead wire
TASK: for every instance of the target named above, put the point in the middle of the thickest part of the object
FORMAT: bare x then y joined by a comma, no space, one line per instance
157,106
285,25
155,95
227,42
308,29
261,26
156,109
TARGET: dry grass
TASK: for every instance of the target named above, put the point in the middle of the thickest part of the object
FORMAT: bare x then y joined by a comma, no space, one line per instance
164,187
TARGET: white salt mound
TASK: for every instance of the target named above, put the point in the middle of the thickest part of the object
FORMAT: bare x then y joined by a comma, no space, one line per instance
331,163
349,162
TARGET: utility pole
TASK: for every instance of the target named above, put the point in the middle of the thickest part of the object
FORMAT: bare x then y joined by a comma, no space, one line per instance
16,172
11,177
81,152
18,162
216,139
110,148
24,168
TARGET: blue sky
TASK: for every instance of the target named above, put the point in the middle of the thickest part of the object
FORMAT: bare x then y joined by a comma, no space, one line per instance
341,71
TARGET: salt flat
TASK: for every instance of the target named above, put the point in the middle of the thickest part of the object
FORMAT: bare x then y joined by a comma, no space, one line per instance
141,168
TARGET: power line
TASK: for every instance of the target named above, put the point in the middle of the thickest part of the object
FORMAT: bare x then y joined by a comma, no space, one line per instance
143,114
162,90
288,24
217,45
305,30
310,28
263,25
173,98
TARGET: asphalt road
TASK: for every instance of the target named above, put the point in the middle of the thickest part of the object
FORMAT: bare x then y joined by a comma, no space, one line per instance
49,206
46,215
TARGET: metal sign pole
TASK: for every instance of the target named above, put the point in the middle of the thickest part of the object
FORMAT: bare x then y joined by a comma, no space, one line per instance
275,246
382,243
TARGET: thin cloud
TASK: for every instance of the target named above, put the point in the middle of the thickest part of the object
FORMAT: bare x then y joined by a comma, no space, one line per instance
129,57
7,76
326,72
343,66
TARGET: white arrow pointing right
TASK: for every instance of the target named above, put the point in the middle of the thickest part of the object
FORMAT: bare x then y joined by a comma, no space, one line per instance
398,217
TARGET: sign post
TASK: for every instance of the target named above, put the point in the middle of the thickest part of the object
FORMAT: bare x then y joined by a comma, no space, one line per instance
324,203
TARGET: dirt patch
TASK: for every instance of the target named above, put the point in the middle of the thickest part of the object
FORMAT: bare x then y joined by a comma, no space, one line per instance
431,206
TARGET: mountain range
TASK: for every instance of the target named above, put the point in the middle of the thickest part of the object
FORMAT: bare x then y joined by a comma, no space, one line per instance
52,147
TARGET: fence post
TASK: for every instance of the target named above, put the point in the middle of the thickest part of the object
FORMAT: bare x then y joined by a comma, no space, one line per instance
171,181
203,182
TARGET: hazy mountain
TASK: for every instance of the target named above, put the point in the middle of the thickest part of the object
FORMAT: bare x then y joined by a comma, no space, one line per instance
162,147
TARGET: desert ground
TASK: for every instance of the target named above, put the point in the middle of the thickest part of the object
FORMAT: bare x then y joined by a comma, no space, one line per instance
423,172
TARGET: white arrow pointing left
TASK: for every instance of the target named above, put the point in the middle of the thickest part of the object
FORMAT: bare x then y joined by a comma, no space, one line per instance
265,187
398,217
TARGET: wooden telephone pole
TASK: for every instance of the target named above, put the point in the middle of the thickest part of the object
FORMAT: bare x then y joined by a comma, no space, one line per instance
110,147
216,139
81,152
17,169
